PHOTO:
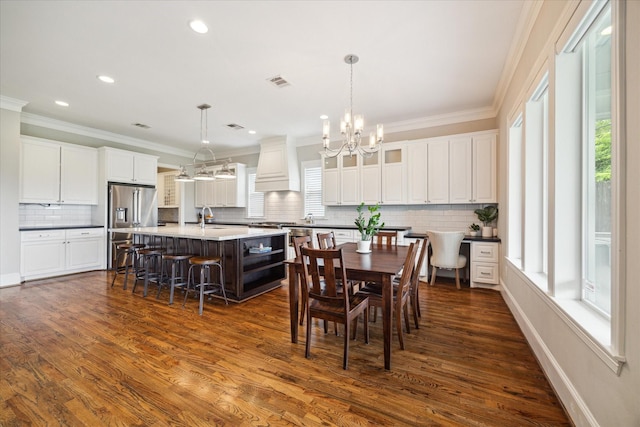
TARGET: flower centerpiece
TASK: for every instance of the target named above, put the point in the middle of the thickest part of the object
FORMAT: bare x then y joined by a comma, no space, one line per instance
367,228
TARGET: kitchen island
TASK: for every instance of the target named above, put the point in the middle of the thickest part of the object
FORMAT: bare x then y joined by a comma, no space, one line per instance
248,270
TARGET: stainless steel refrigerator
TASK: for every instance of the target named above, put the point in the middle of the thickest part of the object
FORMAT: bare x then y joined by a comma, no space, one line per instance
129,206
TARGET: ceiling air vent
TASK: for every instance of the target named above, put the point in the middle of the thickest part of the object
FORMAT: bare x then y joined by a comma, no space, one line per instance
141,125
235,126
279,81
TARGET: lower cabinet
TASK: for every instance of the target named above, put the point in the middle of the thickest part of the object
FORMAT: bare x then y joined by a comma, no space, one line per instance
57,252
485,264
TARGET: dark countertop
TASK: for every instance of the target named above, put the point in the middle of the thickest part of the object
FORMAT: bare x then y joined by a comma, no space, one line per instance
58,227
466,237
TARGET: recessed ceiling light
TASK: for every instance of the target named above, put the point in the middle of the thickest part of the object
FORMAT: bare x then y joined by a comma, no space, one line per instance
198,26
252,132
324,117
106,79
62,103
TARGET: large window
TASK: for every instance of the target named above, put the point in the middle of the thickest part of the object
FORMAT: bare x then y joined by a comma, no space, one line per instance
595,50
536,183
312,185
564,221
255,200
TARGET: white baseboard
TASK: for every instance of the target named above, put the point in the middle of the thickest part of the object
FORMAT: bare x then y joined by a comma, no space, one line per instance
573,403
11,279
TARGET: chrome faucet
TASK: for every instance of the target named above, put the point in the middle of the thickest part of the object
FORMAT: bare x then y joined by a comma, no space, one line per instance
309,218
202,215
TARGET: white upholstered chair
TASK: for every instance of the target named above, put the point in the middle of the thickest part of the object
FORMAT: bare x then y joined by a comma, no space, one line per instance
446,252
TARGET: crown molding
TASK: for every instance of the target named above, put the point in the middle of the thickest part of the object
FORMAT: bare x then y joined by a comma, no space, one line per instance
59,125
528,16
416,124
12,104
440,120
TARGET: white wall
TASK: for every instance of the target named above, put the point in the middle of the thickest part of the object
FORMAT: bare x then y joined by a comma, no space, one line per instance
9,173
591,391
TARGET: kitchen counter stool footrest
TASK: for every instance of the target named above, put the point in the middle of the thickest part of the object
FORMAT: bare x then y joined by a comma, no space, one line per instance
206,286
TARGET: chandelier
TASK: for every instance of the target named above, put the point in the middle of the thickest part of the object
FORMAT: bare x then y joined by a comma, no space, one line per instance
351,128
202,171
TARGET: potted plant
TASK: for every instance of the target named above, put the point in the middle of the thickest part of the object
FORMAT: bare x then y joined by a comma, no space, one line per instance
487,215
367,228
474,229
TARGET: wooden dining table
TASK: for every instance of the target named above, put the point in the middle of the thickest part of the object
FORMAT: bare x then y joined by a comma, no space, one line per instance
379,266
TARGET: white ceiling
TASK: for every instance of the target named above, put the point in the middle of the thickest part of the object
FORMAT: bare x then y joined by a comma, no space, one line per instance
418,59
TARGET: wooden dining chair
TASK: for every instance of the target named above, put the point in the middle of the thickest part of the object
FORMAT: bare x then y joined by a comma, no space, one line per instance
385,238
327,240
323,272
415,281
401,293
300,242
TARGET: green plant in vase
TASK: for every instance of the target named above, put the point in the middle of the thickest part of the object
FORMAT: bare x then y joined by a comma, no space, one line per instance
487,215
368,227
474,228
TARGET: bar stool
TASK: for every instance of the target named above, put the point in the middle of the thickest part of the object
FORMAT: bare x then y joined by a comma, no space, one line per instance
205,263
177,258
128,251
150,268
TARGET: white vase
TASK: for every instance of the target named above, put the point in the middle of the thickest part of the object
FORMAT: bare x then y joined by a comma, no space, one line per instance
487,231
364,245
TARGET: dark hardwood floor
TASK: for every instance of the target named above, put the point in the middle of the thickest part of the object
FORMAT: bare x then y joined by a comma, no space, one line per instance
74,351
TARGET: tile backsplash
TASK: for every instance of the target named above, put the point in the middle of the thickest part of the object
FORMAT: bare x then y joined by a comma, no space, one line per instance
288,207
31,215
280,206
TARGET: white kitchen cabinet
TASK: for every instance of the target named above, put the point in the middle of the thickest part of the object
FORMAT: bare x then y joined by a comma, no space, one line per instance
341,180
349,179
168,190
129,167
485,166
417,172
56,252
438,171
330,181
370,179
460,170
52,172
394,174
472,169
204,193
231,193
485,264
85,249
223,193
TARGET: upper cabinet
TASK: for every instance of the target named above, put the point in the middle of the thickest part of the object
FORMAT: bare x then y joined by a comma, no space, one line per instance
129,167
341,179
53,172
472,169
231,193
370,181
394,173
443,170
438,184
223,193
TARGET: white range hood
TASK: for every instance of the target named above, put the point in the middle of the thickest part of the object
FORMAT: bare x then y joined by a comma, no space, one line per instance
278,165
